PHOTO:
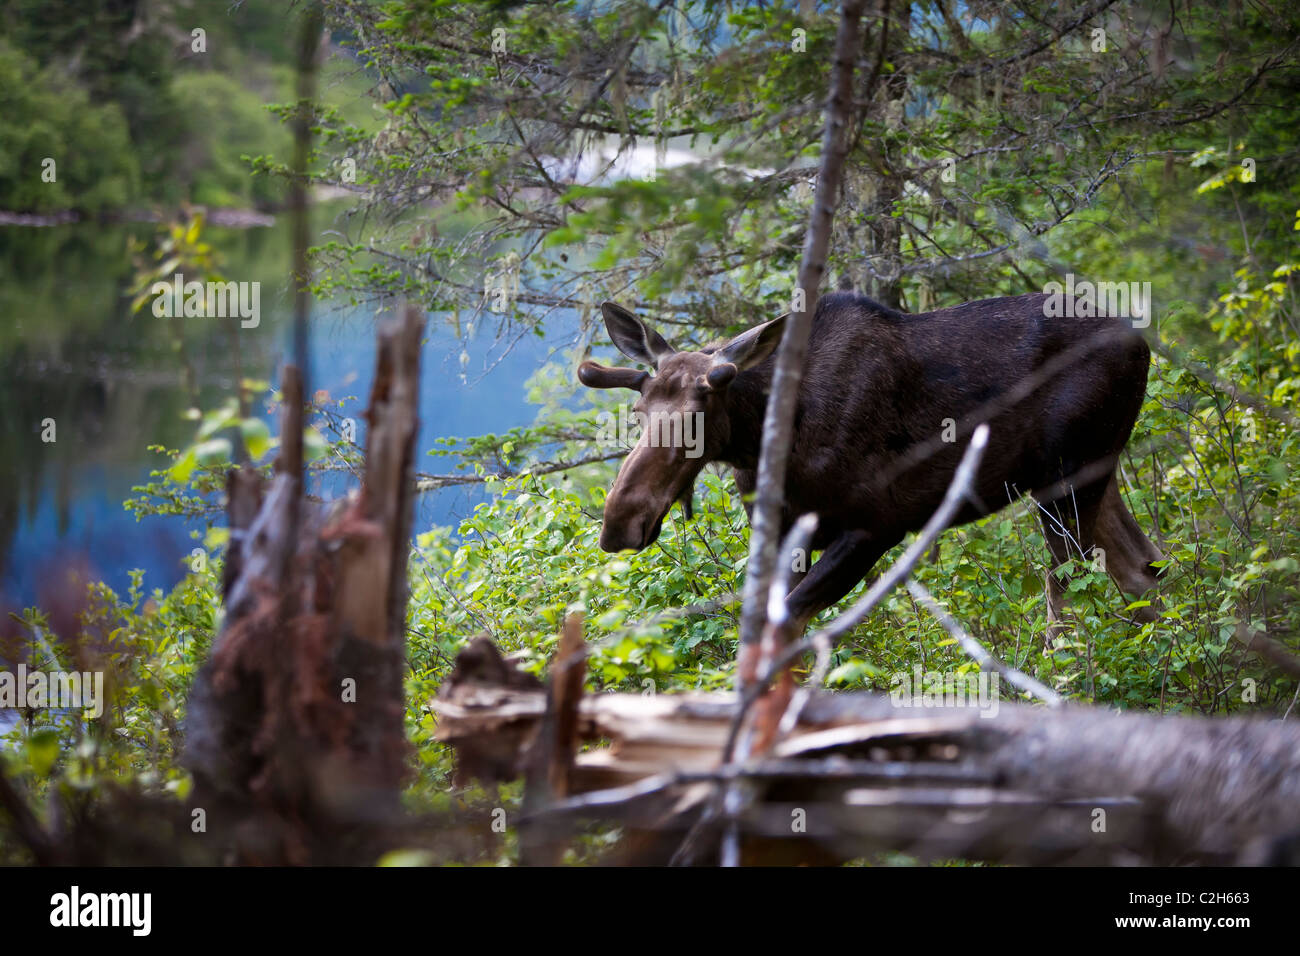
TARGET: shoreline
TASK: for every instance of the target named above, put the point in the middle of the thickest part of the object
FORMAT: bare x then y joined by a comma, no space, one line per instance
231,218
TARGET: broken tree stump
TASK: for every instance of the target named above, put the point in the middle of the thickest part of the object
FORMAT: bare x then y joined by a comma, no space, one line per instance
295,733
549,771
861,774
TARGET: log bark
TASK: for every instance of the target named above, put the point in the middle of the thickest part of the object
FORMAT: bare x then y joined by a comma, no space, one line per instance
549,775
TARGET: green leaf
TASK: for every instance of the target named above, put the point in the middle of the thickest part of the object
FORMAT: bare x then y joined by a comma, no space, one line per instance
406,858
257,436
184,467
43,751
213,452
314,445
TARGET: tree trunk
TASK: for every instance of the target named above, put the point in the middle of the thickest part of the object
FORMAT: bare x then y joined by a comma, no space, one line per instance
778,422
295,733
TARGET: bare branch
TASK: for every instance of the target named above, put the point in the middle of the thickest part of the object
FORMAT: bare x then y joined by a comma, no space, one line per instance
434,482
976,650
778,421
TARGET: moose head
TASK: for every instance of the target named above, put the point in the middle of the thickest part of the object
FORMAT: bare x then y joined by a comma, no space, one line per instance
684,414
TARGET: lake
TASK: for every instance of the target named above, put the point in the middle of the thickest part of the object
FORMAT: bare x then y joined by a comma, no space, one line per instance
116,382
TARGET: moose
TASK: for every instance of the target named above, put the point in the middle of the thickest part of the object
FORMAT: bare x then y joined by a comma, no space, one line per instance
884,401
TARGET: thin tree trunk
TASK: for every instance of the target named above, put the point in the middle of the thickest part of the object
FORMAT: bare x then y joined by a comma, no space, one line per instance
778,423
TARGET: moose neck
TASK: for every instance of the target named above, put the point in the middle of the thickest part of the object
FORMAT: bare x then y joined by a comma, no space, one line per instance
746,406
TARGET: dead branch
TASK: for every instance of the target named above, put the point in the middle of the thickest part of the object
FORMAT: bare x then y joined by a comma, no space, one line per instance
977,650
550,766
434,482
1272,651
778,420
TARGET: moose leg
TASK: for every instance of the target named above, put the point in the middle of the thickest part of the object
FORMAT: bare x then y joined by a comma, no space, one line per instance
1069,526
1127,552
842,565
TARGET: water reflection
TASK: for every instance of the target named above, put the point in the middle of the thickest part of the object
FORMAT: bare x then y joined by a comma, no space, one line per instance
114,383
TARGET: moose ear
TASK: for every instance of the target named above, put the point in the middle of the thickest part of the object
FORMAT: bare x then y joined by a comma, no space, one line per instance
633,337
594,375
749,348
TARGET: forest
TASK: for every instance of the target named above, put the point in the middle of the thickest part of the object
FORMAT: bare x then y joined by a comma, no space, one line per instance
357,601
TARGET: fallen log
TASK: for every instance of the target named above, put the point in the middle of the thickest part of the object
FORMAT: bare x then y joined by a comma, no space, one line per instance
862,773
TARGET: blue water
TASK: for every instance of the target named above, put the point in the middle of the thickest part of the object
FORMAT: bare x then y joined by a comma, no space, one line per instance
83,523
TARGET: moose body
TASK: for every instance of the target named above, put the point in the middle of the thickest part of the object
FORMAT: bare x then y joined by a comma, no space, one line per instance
885,408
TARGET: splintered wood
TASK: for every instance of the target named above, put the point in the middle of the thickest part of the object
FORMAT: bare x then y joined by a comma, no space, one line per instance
863,773
295,727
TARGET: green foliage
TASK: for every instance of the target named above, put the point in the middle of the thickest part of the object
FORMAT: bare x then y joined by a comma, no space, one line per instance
131,112
530,555
179,247
229,125
148,649
45,116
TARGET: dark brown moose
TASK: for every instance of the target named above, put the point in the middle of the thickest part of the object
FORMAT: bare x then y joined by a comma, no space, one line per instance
886,407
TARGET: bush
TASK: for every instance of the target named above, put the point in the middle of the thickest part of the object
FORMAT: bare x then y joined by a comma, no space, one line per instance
47,116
